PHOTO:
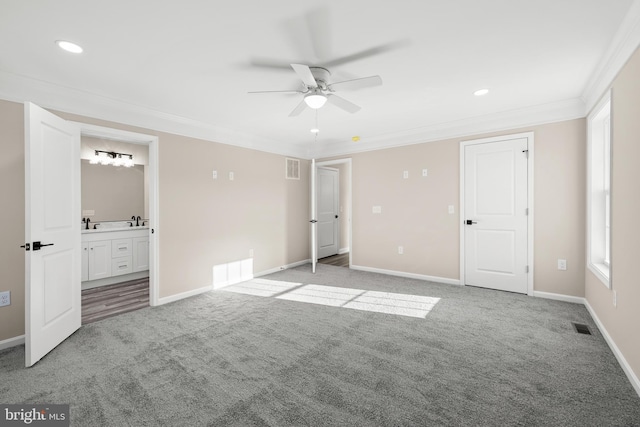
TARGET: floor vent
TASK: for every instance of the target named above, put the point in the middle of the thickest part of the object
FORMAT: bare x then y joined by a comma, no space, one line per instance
581,328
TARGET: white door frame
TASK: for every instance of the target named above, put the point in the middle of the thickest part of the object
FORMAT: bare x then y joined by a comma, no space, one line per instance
349,173
154,238
463,145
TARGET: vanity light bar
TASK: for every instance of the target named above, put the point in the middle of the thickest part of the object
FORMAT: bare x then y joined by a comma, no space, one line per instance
112,158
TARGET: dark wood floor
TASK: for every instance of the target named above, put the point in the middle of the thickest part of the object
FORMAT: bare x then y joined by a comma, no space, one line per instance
340,260
106,301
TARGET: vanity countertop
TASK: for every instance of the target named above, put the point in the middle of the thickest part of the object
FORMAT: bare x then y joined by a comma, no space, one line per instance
112,229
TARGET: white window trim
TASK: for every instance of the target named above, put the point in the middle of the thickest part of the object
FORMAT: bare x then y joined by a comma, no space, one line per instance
600,268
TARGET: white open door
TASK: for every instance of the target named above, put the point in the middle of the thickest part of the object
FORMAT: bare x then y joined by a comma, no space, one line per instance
328,187
495,229
314,221
52,206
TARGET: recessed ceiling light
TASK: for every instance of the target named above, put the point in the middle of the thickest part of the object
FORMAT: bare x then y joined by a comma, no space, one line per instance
481,92
68,46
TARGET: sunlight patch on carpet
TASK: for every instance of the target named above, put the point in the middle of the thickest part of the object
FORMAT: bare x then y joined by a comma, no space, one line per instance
356,299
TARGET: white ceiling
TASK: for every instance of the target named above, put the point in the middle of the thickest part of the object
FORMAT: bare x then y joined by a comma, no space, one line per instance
185,67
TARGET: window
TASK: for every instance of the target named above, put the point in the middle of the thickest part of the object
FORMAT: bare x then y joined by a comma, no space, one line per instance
599,190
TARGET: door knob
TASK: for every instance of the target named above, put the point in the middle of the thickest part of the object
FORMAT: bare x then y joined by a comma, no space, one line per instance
38,245
336,216
469,222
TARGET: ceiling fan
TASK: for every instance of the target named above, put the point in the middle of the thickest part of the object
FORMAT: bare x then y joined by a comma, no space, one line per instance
317,89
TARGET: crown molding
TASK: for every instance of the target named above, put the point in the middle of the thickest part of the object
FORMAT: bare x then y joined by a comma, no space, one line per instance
624,44
19,88
495,122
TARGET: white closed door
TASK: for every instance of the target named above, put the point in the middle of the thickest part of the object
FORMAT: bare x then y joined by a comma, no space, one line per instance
495,215
52,229
328,206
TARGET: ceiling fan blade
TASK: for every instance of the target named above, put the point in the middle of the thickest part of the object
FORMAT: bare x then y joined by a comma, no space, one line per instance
276,91
356,83
304,72
270,63
377,50
299,109
339,102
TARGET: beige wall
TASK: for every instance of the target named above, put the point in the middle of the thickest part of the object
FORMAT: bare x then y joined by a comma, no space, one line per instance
415,210
12,218
202,222
621,322
114,193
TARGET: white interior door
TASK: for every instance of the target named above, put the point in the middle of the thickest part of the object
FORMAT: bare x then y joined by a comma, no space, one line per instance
52,206
495,212
313,222
328,207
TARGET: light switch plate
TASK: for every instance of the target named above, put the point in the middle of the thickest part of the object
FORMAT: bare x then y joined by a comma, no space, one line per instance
231,176
5,298
452,209
405,174
424,172
376,209
215,174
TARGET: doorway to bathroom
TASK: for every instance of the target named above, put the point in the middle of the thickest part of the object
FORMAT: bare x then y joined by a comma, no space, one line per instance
115,227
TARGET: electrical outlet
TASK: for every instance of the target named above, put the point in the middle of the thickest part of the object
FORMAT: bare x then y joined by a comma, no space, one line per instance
452,209
5,298
400,250
88,212
231,176
562,264
424,172
405,174
376,209
215,174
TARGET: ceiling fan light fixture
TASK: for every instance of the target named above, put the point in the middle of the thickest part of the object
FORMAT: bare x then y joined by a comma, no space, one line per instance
315,100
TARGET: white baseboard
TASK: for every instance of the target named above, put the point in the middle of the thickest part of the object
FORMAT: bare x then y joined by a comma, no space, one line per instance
343,251
12,342
240,279
559,297
407,275
284,267
183,295
633,379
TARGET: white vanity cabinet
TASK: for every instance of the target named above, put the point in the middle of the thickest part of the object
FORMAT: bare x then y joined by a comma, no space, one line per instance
114,256
140,253
99,259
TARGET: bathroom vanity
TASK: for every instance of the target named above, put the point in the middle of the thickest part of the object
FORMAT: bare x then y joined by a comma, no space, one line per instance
114,255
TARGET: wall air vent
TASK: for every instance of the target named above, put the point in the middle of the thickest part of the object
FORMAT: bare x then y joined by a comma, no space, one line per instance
581,328
292,168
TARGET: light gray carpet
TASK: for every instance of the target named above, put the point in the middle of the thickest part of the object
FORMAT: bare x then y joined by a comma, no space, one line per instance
480,357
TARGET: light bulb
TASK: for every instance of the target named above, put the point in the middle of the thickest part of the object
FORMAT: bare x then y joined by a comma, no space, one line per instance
315,100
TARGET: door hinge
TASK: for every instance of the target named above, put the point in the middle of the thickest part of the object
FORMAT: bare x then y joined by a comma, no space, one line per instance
526,269
526,211
526,153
